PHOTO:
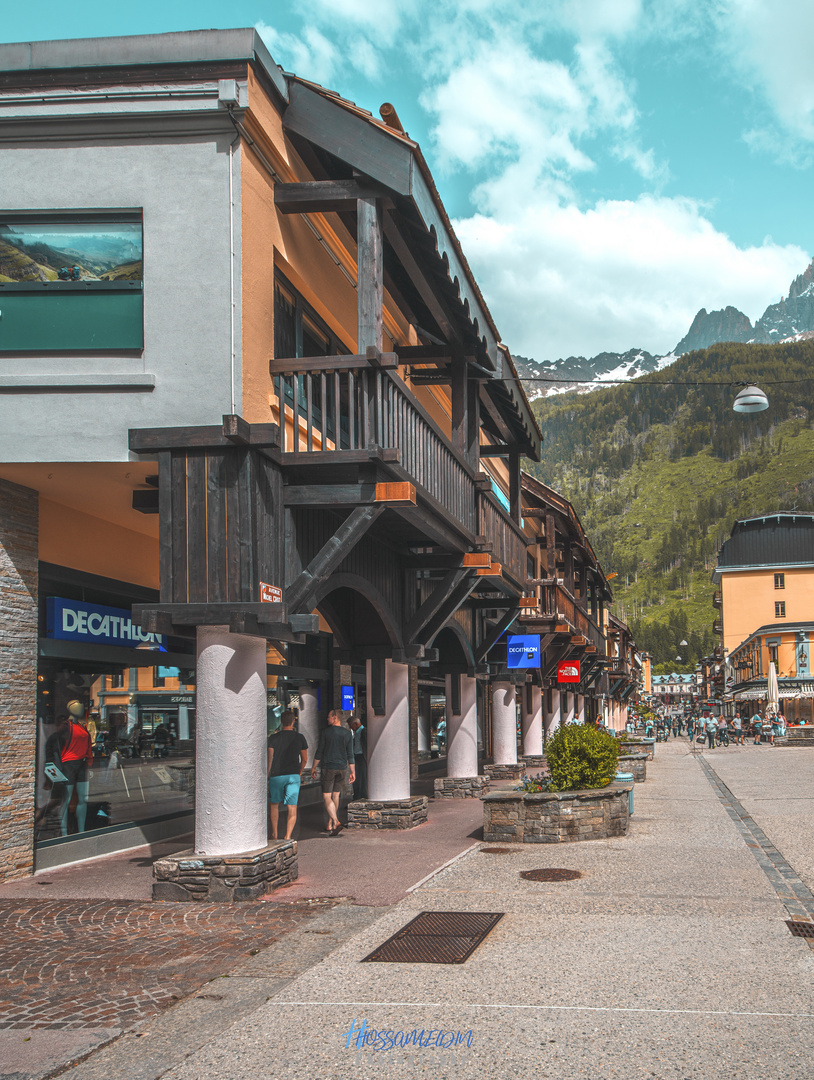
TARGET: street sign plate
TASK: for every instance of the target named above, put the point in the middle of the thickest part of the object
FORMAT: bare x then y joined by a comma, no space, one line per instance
270,594
568,671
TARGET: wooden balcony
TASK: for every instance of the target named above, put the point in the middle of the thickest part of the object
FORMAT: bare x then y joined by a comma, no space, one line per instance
559,605
717,599
509,542
340,410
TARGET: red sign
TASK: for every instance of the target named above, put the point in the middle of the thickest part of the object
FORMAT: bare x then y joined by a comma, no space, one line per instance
270,594
568,671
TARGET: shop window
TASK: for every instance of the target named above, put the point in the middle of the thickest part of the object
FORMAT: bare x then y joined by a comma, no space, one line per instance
71,281
780,581
773,651
780,609
116,681
158,678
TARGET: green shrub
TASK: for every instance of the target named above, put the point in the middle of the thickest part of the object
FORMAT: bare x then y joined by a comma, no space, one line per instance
581,757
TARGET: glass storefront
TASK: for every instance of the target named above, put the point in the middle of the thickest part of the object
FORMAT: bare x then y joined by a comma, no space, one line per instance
115,712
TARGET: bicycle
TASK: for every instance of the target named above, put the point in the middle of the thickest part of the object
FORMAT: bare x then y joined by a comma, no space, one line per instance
721,738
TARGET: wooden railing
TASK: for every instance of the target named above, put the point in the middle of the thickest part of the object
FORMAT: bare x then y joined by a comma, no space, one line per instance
509,542
344,403
557,600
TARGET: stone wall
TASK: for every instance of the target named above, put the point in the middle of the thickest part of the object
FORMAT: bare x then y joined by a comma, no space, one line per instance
395,814
225,878
18,677
514,817
634,763
643,746
504,772
458,787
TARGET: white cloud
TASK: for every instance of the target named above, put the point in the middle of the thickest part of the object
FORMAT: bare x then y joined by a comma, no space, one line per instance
769,42
309,54
620,274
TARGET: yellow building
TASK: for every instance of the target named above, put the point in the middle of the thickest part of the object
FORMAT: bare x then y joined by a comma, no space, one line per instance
765,575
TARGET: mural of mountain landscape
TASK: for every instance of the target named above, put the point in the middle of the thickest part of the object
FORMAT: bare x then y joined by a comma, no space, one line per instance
70,251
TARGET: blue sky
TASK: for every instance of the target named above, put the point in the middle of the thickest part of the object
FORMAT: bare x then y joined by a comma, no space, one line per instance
611,165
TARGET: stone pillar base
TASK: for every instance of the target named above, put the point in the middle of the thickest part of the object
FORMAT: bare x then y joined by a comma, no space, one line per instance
504,772
534,761
461,787
392,814
225,878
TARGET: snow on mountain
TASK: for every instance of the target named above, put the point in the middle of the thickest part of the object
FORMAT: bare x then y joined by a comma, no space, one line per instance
791,319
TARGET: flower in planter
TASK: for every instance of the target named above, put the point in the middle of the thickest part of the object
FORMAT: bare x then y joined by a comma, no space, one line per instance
533,785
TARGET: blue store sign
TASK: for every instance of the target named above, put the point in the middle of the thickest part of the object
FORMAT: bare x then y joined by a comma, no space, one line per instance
348,698
74,620
523,650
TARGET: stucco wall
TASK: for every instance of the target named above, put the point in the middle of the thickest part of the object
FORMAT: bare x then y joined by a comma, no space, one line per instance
749,597
182,184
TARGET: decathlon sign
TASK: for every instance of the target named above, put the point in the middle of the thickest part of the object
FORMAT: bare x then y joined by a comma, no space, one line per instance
523,650
74,620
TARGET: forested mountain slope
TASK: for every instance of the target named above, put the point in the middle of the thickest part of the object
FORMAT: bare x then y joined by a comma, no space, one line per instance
660,468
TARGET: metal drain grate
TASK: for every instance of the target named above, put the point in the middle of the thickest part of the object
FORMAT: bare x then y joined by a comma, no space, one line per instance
495,850
550,875
801,929
437,937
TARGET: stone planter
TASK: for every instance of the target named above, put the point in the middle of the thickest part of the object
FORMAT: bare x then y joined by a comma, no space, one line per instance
634,763
515,817
395,814
225,878
505,772
642,746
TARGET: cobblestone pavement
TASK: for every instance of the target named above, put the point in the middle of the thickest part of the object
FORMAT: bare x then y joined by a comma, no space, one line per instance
97,964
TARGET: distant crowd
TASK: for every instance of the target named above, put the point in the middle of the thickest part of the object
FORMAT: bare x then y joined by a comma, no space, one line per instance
702,726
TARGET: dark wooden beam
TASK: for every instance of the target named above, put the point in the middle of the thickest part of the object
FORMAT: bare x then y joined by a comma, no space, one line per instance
327,496
324,196
301,591
427,292
293,365
496,634
146,440
370,273
458,596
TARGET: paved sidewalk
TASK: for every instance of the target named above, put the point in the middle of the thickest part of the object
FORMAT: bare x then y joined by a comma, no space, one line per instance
670,958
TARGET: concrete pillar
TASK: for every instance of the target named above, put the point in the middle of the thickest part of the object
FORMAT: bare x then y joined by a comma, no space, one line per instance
554,717
462,730
504,723
388,736
531,720
569,703
230,748
580,708
309,719
623,717
424,722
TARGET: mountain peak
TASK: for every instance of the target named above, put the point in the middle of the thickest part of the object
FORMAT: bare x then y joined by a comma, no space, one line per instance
708,328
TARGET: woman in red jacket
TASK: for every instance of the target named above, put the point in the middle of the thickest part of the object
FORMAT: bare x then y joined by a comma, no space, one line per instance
77,758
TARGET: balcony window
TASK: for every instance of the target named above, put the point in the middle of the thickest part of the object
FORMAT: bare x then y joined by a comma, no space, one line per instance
780,581
780,609
71,281
298,331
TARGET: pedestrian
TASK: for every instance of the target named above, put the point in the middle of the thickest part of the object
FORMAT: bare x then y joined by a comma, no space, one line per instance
721,725
287,755
335,751
775,727
691,726
359,757
757,727
737,729
710,725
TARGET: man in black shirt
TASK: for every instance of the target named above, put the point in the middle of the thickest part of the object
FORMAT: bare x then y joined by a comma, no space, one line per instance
287,754
335,751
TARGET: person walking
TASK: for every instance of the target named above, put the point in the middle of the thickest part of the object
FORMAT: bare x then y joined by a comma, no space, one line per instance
359,757
287,755
710,726
691,727
757,727
737,729
774,727
335,751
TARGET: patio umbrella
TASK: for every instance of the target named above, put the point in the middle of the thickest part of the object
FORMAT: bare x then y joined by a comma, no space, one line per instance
773,693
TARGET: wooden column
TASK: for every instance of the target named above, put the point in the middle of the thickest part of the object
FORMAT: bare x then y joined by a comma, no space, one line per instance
551,546
514,485
464,412
370,276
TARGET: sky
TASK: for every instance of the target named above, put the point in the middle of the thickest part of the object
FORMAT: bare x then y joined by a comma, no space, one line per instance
610,166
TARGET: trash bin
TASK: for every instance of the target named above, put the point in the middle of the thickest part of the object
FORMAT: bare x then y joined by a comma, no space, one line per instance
626,778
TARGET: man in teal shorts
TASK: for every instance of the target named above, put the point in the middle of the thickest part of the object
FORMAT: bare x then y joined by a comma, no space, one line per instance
287,755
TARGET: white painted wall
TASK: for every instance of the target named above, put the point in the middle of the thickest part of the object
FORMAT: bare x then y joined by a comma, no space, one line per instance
462,730
531,721
388,737
504,723
230,753
309,725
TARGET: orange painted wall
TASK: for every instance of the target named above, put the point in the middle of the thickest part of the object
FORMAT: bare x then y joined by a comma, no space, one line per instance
749,597
69,537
